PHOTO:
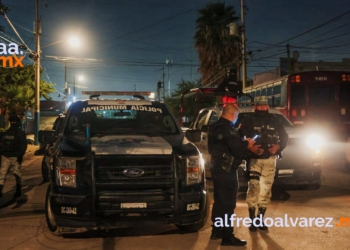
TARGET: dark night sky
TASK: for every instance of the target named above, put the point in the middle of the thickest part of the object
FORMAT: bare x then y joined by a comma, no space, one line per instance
131,40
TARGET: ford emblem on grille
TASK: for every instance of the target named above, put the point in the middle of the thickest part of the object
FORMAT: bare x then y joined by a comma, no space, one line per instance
133,172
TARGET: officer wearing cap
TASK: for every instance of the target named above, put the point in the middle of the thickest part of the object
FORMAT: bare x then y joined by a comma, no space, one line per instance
227,150
272,139
13,145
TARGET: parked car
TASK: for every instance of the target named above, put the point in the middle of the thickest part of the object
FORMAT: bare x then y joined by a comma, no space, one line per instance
30,139
302,161
117,163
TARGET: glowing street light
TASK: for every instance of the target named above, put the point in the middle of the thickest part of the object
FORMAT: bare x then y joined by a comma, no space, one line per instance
74,42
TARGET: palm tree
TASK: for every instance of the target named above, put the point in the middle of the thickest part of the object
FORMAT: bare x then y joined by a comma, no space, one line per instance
217,50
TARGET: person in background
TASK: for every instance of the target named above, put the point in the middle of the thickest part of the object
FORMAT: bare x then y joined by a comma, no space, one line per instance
13,145
272,139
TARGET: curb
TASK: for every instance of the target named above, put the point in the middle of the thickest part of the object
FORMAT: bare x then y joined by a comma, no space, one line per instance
30,152
28,156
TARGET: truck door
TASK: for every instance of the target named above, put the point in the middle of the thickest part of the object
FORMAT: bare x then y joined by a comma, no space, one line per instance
201,120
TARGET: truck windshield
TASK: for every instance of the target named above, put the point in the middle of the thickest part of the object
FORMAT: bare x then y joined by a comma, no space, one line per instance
120,119
285,122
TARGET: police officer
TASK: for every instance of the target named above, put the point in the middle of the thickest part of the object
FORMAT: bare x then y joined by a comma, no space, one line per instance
227,150
12,148
272,139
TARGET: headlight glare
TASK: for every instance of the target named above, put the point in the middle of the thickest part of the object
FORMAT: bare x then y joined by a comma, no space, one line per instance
314,141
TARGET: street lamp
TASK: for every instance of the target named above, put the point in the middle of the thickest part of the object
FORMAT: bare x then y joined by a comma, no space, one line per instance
80,78
66,60
74,42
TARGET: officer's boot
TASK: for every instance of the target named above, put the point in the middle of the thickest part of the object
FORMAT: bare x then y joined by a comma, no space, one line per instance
18,192
1,186
216,233
228,238
261,214
251,210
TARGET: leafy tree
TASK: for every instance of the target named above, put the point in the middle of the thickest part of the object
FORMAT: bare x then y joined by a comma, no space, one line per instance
192,102
3,10
17,88
217,50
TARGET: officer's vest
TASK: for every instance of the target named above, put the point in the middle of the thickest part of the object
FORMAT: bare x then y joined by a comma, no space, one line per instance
266,128
9,141
211,137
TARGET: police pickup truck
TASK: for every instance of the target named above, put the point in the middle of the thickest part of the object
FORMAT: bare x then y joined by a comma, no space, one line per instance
300,166
118,163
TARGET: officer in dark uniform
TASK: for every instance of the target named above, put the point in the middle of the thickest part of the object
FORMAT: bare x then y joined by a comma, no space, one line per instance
13,145
227,150
272,139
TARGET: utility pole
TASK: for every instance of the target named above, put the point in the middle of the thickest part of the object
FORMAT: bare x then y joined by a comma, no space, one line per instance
288,58
37,75
163,91
244,61
169,63
236,30
73,86
238,66
66,91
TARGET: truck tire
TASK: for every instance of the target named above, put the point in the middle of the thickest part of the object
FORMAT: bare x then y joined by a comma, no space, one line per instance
50,218
197,226
44,171
347,154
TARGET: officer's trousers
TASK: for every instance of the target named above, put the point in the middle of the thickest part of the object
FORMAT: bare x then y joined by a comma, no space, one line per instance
225,192
7,164
261,177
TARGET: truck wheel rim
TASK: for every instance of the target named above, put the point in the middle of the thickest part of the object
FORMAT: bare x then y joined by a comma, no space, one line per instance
51,218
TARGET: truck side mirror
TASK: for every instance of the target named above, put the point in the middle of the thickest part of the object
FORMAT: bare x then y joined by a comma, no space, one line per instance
193,135
47,137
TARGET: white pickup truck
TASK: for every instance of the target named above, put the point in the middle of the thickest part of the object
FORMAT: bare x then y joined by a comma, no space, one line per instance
301,164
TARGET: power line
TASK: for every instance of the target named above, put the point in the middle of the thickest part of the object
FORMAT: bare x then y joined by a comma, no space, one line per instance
315,28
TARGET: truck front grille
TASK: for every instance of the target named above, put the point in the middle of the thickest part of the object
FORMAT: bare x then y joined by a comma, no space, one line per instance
155,169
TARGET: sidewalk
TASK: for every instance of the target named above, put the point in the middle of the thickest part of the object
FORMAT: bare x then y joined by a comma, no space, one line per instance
33,190
30,152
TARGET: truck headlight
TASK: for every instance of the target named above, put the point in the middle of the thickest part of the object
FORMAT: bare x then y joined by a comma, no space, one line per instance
66,172
315,142
193,169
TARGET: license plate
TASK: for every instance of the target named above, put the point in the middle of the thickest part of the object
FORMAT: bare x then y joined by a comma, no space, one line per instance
285,171
133,205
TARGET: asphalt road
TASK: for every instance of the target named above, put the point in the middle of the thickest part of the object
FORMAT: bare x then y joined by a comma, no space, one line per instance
23,225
